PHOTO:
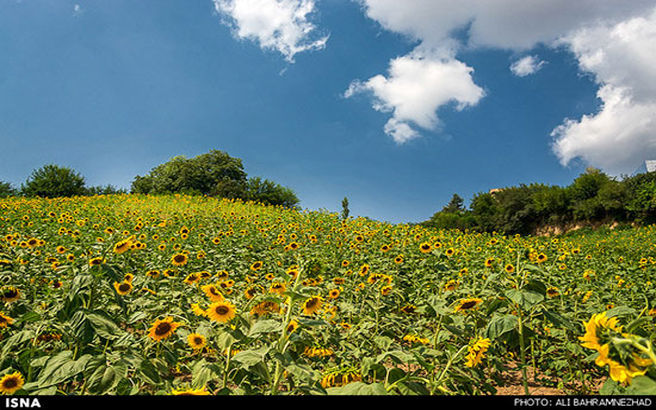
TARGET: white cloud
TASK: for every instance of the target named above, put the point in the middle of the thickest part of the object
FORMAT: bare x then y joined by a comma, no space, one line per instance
281,25
526,66
622,134
617,139
608,37
416,86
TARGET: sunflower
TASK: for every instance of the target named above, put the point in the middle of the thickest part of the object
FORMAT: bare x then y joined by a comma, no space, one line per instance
222,311
96,261
292,326
10,294
598,325
552,292
179,259
425,247
212,293
162,329
123,245
333,294
5,320
11,383
198,311
312,305
278,288
542,258
509,268
196,341
257,265
398,260
265,307
489,262
476,352
386,290
451,285
191,392
468,304
123,288
192,278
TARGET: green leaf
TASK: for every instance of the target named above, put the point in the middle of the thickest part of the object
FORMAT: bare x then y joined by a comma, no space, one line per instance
148,372
501,325
104,377
620,311
642,385
61,367
524,298
303,372
264,326
610,387
249,358
103,325
358,389
558,320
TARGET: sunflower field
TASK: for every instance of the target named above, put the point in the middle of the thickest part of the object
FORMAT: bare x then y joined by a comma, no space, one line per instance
150,295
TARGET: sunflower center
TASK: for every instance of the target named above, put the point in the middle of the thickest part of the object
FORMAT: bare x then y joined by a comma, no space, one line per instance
10,294
198,341
468,305
179,258
311,303
10,383
222,310
124,287
162,328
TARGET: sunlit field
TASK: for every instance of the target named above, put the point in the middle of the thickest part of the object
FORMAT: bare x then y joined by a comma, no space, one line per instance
130,294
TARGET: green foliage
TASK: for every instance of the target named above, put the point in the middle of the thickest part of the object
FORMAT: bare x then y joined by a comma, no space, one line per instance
593,197
213,173
6,190
52,181
268,192
105,190
345,208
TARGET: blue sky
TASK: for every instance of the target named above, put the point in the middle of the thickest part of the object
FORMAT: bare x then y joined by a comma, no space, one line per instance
113,89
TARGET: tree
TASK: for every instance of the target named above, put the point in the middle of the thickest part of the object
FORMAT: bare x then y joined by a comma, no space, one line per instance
6,190
213,173
52,181
105,190
455,205
345,208
269,193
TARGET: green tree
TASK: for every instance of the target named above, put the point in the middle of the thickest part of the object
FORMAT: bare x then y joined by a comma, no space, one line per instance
345,208
105,190
269,193
455,205
52,181
6,190
213,173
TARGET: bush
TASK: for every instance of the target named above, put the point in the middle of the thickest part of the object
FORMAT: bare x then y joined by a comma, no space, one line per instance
6,190
214,173
52,181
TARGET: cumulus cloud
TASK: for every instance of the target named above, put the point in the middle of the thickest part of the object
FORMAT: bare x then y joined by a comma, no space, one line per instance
610,38
617,139
622,134
526,66
416,86
281,25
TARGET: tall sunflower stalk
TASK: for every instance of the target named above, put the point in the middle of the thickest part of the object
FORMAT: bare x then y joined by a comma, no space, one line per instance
282,343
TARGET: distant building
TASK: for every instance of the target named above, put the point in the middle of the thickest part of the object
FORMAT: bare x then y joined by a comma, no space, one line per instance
651,165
